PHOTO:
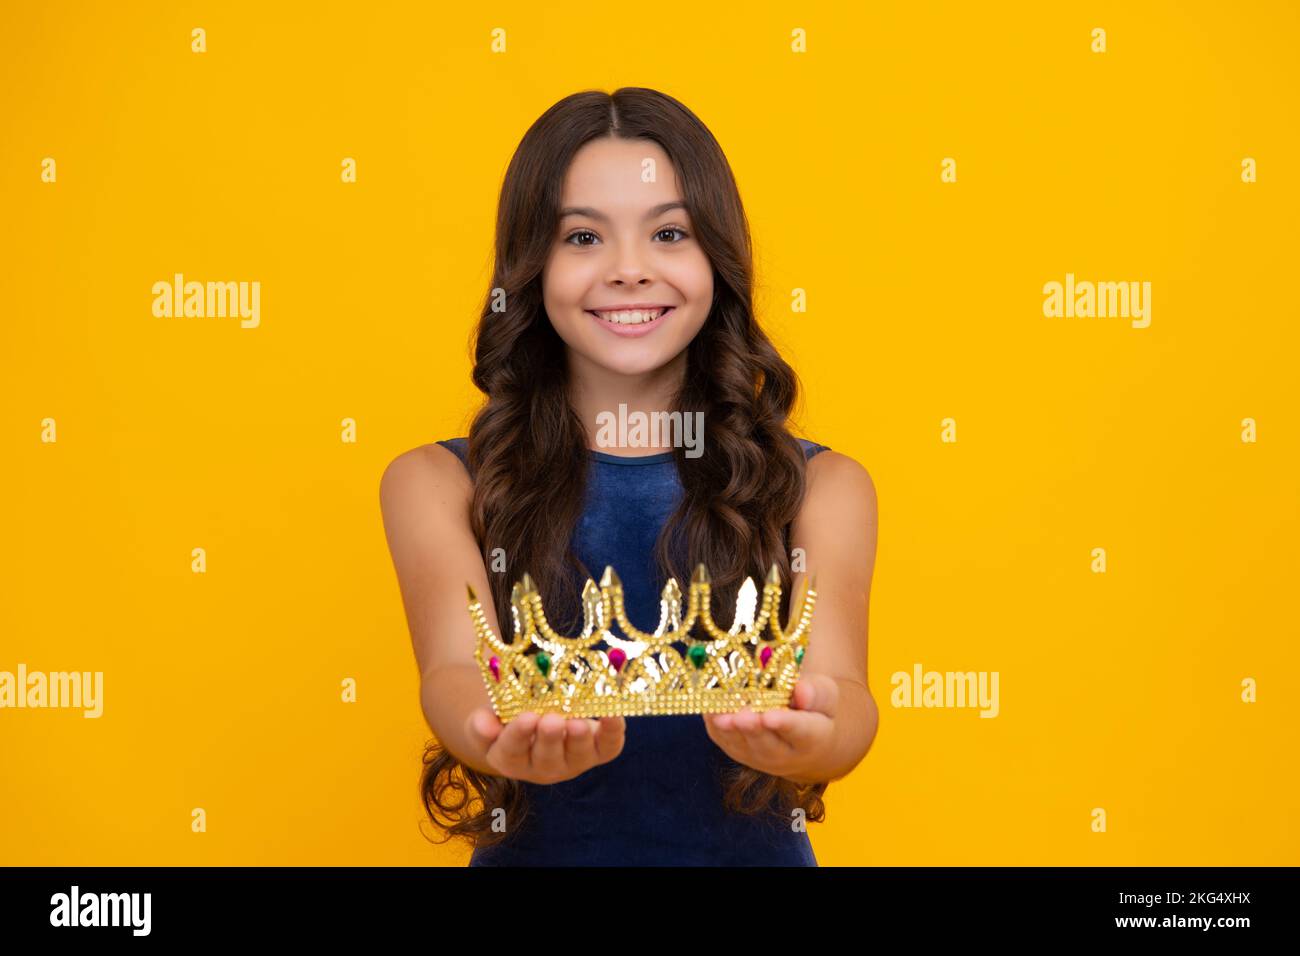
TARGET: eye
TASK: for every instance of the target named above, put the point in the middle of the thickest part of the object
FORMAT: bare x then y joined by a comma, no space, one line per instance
683,232
580,232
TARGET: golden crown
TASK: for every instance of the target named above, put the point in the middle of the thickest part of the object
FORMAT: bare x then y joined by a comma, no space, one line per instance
752,664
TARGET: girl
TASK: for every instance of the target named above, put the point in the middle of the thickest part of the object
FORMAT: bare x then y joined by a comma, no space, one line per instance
623,277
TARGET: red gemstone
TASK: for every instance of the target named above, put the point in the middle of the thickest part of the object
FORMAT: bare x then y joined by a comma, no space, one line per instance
496,667
617,658
765,655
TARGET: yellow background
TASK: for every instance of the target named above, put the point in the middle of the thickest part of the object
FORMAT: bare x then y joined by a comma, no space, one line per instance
222,690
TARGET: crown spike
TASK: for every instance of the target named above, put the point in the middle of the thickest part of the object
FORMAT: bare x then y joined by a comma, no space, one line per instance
798,597
472,596
670,608
527,584
610,578
774,574
746,602
701,575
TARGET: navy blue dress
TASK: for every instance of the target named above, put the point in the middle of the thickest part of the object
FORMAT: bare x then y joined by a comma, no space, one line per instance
659,802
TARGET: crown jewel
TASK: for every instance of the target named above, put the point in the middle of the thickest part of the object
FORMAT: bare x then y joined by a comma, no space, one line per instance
754,663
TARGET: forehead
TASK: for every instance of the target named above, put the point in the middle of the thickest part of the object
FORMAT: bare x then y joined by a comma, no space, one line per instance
620,175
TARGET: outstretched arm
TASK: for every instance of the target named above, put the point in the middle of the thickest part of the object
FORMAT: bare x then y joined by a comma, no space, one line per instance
832,720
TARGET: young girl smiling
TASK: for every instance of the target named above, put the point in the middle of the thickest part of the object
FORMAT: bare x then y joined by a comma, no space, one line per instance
623,276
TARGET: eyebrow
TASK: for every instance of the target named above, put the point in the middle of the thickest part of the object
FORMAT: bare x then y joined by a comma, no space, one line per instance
597,214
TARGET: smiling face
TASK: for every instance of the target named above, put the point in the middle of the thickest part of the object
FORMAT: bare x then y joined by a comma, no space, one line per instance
622,242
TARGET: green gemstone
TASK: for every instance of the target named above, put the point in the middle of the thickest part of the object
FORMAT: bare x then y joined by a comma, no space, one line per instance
798,656
544,664
698,655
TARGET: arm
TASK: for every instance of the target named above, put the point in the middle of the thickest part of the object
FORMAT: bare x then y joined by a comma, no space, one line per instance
425,497
447,696
837,530
833,717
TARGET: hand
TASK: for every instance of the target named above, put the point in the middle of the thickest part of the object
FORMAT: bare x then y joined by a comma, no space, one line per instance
546,748
788,741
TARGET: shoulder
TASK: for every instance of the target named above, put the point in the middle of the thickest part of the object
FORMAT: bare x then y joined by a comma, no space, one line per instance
839,485
424,475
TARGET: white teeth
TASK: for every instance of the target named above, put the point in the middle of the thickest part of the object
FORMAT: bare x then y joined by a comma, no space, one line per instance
632,317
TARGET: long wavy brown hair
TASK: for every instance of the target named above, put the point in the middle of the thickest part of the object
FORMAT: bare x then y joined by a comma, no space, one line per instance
740,496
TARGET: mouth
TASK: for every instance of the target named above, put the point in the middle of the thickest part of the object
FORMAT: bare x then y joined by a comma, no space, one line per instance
626,321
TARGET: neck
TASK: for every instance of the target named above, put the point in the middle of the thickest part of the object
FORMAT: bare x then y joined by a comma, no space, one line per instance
594,390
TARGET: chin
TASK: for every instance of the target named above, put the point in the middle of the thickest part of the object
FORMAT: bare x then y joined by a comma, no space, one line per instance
629,364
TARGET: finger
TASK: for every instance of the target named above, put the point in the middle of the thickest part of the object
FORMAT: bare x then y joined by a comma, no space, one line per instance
816,692
509,753
721,721
547,755
761,743
745,720
609,738
729,739
796,729
483,727
579,742
766,745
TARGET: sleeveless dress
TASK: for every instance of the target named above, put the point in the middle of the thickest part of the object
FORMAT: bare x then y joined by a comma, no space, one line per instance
659,802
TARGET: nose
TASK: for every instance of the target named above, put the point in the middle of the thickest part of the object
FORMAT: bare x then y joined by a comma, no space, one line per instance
628,268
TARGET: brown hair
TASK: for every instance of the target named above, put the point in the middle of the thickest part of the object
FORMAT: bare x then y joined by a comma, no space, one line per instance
739,497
